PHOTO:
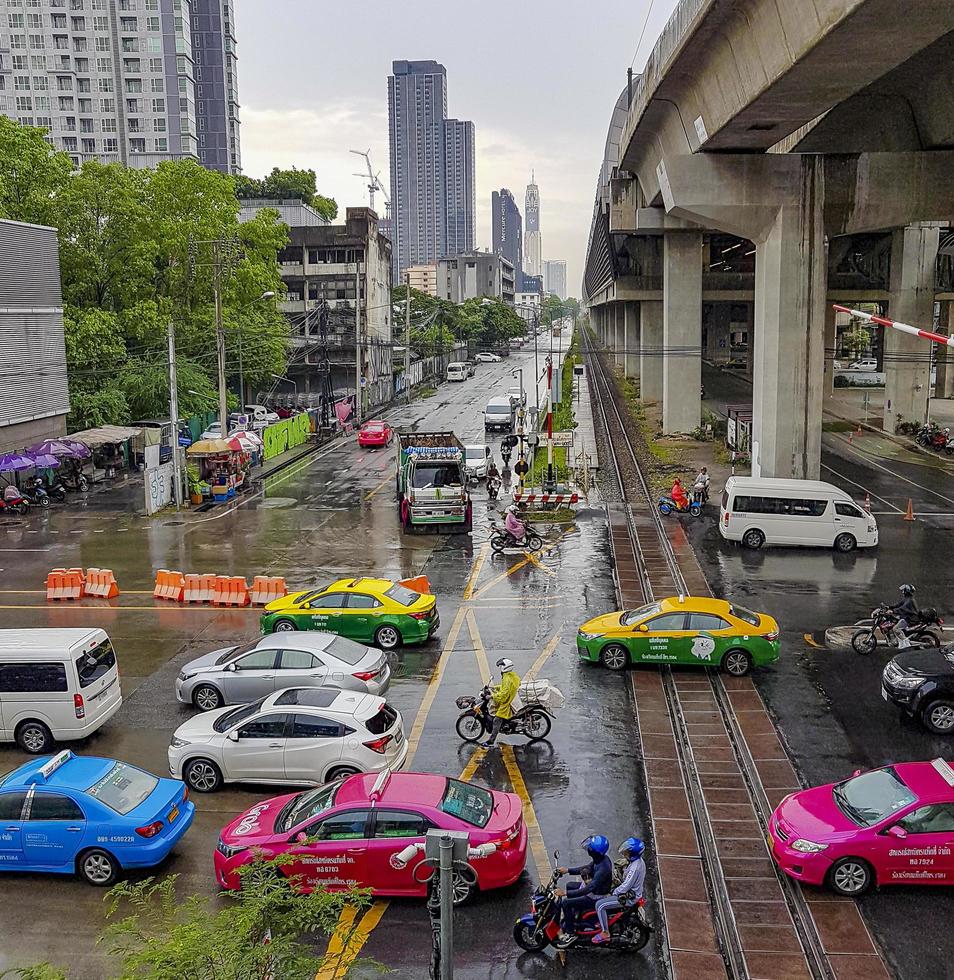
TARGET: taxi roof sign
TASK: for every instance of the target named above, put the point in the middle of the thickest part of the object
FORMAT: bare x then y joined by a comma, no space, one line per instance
944,770
43,773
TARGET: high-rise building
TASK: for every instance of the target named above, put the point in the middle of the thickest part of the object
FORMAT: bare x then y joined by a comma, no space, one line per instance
432,167
554,277
533,254
508,230
459,186
116,80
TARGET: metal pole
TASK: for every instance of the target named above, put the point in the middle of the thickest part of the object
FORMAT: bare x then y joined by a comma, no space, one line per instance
407,338
357,344
447,908
241,384
220,351
550,424
174,414
521,417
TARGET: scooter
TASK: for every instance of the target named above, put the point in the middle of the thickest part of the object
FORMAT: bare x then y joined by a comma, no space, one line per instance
939,440
501,539
57,491
39,497
493,487
667,505
18,505
629,930
922,634
476,719
700,493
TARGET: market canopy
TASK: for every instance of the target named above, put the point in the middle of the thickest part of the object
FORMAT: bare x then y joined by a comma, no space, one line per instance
103,435
60,447
14,462
211,447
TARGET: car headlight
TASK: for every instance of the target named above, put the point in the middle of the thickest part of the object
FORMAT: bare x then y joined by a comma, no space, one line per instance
588,636
178,743
907,682
808,846
183,676
229,850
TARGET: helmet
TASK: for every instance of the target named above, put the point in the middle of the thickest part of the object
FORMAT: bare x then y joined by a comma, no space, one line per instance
907,589
677,480
596,845
633,847
504,664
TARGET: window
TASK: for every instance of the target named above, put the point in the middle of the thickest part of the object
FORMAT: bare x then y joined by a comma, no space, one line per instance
793,507
15,21
80,44
96,664
17,41
69,143
42,103
938,818
133,84
746,615
406,597
162,145
155,65
86,125
100,23
37,42
79,23
85,105
102,44
869,798
297,660
152,24
107,125
21,83
333,601
35,21
89,146
358,601
133,65
307,806
64,84
260,660
40,84
11,805
124,787
158,85
311,726
110,145
706,621
847,510
54,806
669,621
154,45
104,85
158,105
128,24
18,62
394,823
271,726
383,721
467,802
24,104
351,825
104,66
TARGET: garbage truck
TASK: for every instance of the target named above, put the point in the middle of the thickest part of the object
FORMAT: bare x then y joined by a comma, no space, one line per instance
431,485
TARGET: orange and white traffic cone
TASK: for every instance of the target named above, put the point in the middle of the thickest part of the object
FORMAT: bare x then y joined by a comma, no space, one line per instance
909,513
867,501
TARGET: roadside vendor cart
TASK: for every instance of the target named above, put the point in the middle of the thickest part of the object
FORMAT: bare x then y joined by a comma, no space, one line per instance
223,466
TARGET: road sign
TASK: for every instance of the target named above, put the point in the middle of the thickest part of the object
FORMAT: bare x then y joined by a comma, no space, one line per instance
563,439
522,468
532,439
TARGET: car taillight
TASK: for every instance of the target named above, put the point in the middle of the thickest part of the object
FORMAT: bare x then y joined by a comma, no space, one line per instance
420,615
772,637
380,744
510,837
150,830
78,706
365,675
725,518
185,795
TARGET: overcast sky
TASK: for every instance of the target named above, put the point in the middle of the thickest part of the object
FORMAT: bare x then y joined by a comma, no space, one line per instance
538,79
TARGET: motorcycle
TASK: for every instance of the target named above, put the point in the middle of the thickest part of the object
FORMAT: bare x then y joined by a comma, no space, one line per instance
700,493
57,491
501,538
532,718
493,487
667,505
39,497
939,439
15,505
883,619
925,433
629,930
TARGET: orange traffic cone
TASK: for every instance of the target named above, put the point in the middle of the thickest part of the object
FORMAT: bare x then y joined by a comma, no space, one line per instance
909,513
850,434
858,430
867,501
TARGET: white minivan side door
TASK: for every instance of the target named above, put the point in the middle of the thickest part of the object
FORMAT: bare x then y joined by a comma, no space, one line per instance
849,518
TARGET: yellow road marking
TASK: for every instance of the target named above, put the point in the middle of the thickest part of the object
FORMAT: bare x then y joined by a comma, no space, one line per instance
520,564
536,561
67,604
475,760
345,954
475,571
380,486
538,848
544,656
479,650
339,943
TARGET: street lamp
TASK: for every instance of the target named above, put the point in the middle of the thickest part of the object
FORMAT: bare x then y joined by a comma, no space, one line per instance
281,377
268,294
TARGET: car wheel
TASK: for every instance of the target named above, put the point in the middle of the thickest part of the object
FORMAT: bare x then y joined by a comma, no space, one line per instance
285,626
463,888
202,775
864,642
207,698
340,772
470,727
97,867
34,737
537,726
845,543
753,539
387,637
850,876
614,656
737,663
938,717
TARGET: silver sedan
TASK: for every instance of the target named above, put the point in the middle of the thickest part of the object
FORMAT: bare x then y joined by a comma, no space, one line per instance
240,674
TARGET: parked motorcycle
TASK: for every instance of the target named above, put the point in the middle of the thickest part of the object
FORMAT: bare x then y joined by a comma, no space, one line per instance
57,491
629,929
924,633
501,538
667,505
533,711
939,439
926,433
18,505
39,497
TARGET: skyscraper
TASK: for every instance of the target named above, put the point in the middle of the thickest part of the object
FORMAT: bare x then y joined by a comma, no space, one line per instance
117,82
533,261
432,168
216,84
459,186
508,230
554,277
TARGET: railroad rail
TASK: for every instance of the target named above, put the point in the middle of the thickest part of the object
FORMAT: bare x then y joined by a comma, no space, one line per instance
727,909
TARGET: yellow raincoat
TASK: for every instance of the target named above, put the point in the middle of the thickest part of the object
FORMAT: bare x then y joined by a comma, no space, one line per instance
504,693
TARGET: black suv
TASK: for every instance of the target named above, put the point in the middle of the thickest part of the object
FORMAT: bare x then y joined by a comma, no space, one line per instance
921,682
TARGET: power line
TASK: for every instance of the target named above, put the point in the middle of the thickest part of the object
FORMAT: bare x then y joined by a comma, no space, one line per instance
642,33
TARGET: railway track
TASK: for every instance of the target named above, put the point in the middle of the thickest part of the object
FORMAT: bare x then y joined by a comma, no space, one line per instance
714,769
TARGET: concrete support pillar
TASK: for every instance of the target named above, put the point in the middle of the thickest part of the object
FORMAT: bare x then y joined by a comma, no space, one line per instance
789,356
831,336
944,387
617,335
682,331
650,351
717,331
907,359
631,340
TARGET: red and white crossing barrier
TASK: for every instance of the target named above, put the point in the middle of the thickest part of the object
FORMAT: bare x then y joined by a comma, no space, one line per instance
938,338
546,498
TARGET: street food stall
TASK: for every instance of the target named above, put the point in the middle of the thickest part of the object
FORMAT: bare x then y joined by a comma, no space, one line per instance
110,446
223,467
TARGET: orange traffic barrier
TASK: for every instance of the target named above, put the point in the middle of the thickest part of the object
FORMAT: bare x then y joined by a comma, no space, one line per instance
101,583
55,583
266,589
65,583
198,588
169,585
75,583
909,513
230,590
418,584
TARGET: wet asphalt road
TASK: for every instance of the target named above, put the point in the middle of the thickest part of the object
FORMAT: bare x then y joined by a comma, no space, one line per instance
327,516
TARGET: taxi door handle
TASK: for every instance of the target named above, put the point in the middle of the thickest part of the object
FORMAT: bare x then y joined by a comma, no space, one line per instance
268,677
11,829
74,830
274,745
356,850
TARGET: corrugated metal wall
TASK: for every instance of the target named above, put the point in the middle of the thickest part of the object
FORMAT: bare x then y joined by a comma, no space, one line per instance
32,351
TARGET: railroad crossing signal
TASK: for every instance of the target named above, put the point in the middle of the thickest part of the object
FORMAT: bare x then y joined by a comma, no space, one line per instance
522,467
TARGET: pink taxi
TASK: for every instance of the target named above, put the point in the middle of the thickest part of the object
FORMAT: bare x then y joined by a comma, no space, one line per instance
890,826
344,834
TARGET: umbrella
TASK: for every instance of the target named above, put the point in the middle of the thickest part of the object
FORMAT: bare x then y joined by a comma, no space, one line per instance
80,449
14,462
59,448
42,460
210,447
246,441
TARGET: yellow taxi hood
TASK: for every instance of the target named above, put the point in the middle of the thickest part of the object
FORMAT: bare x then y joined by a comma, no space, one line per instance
289,601
602,624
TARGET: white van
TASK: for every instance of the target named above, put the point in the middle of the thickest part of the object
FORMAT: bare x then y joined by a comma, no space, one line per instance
457,371
760,511
499,414
55,685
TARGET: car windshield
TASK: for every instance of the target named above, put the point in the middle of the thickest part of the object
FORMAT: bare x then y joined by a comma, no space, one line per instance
406,597
374,427
745,615
427,475
307,597
237,715
467,802
346,650
124,787
869,798
476,455
635,615
307,805
238,651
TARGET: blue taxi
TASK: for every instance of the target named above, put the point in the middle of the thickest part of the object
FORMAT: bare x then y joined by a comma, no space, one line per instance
69,814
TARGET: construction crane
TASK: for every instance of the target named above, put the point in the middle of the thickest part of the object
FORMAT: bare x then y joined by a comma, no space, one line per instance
374,180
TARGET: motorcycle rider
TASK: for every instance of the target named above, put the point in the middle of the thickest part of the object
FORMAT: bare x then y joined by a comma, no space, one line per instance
516,528
679,495
701,484
908,615
631,886
503,695
492,472
597,882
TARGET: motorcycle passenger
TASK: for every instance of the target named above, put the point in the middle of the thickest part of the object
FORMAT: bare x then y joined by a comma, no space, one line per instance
515,527
11,493
630,889
679,495
597,882
701,484
908,615
503,695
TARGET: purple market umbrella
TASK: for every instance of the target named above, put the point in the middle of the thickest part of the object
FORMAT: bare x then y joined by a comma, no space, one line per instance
59,448
44,460
14,462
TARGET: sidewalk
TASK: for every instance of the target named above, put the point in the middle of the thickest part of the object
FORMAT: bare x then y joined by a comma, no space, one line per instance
584,439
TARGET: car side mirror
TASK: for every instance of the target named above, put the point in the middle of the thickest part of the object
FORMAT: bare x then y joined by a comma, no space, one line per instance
233,736
897,831
231,666
643,628
301,838
857,772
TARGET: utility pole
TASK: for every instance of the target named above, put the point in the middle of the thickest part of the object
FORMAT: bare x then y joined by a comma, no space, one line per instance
407,337
174,414
357,344
447,907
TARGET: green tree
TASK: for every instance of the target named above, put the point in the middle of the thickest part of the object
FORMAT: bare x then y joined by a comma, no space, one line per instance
96,358
293,184
32,174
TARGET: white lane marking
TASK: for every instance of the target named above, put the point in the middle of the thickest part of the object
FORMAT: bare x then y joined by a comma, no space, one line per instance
25,549
896,510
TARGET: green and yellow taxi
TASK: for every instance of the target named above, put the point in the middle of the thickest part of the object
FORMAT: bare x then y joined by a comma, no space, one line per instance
369,610
682,630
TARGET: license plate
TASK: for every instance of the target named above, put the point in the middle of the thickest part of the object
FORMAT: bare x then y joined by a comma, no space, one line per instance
398,737
884,694
173,813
